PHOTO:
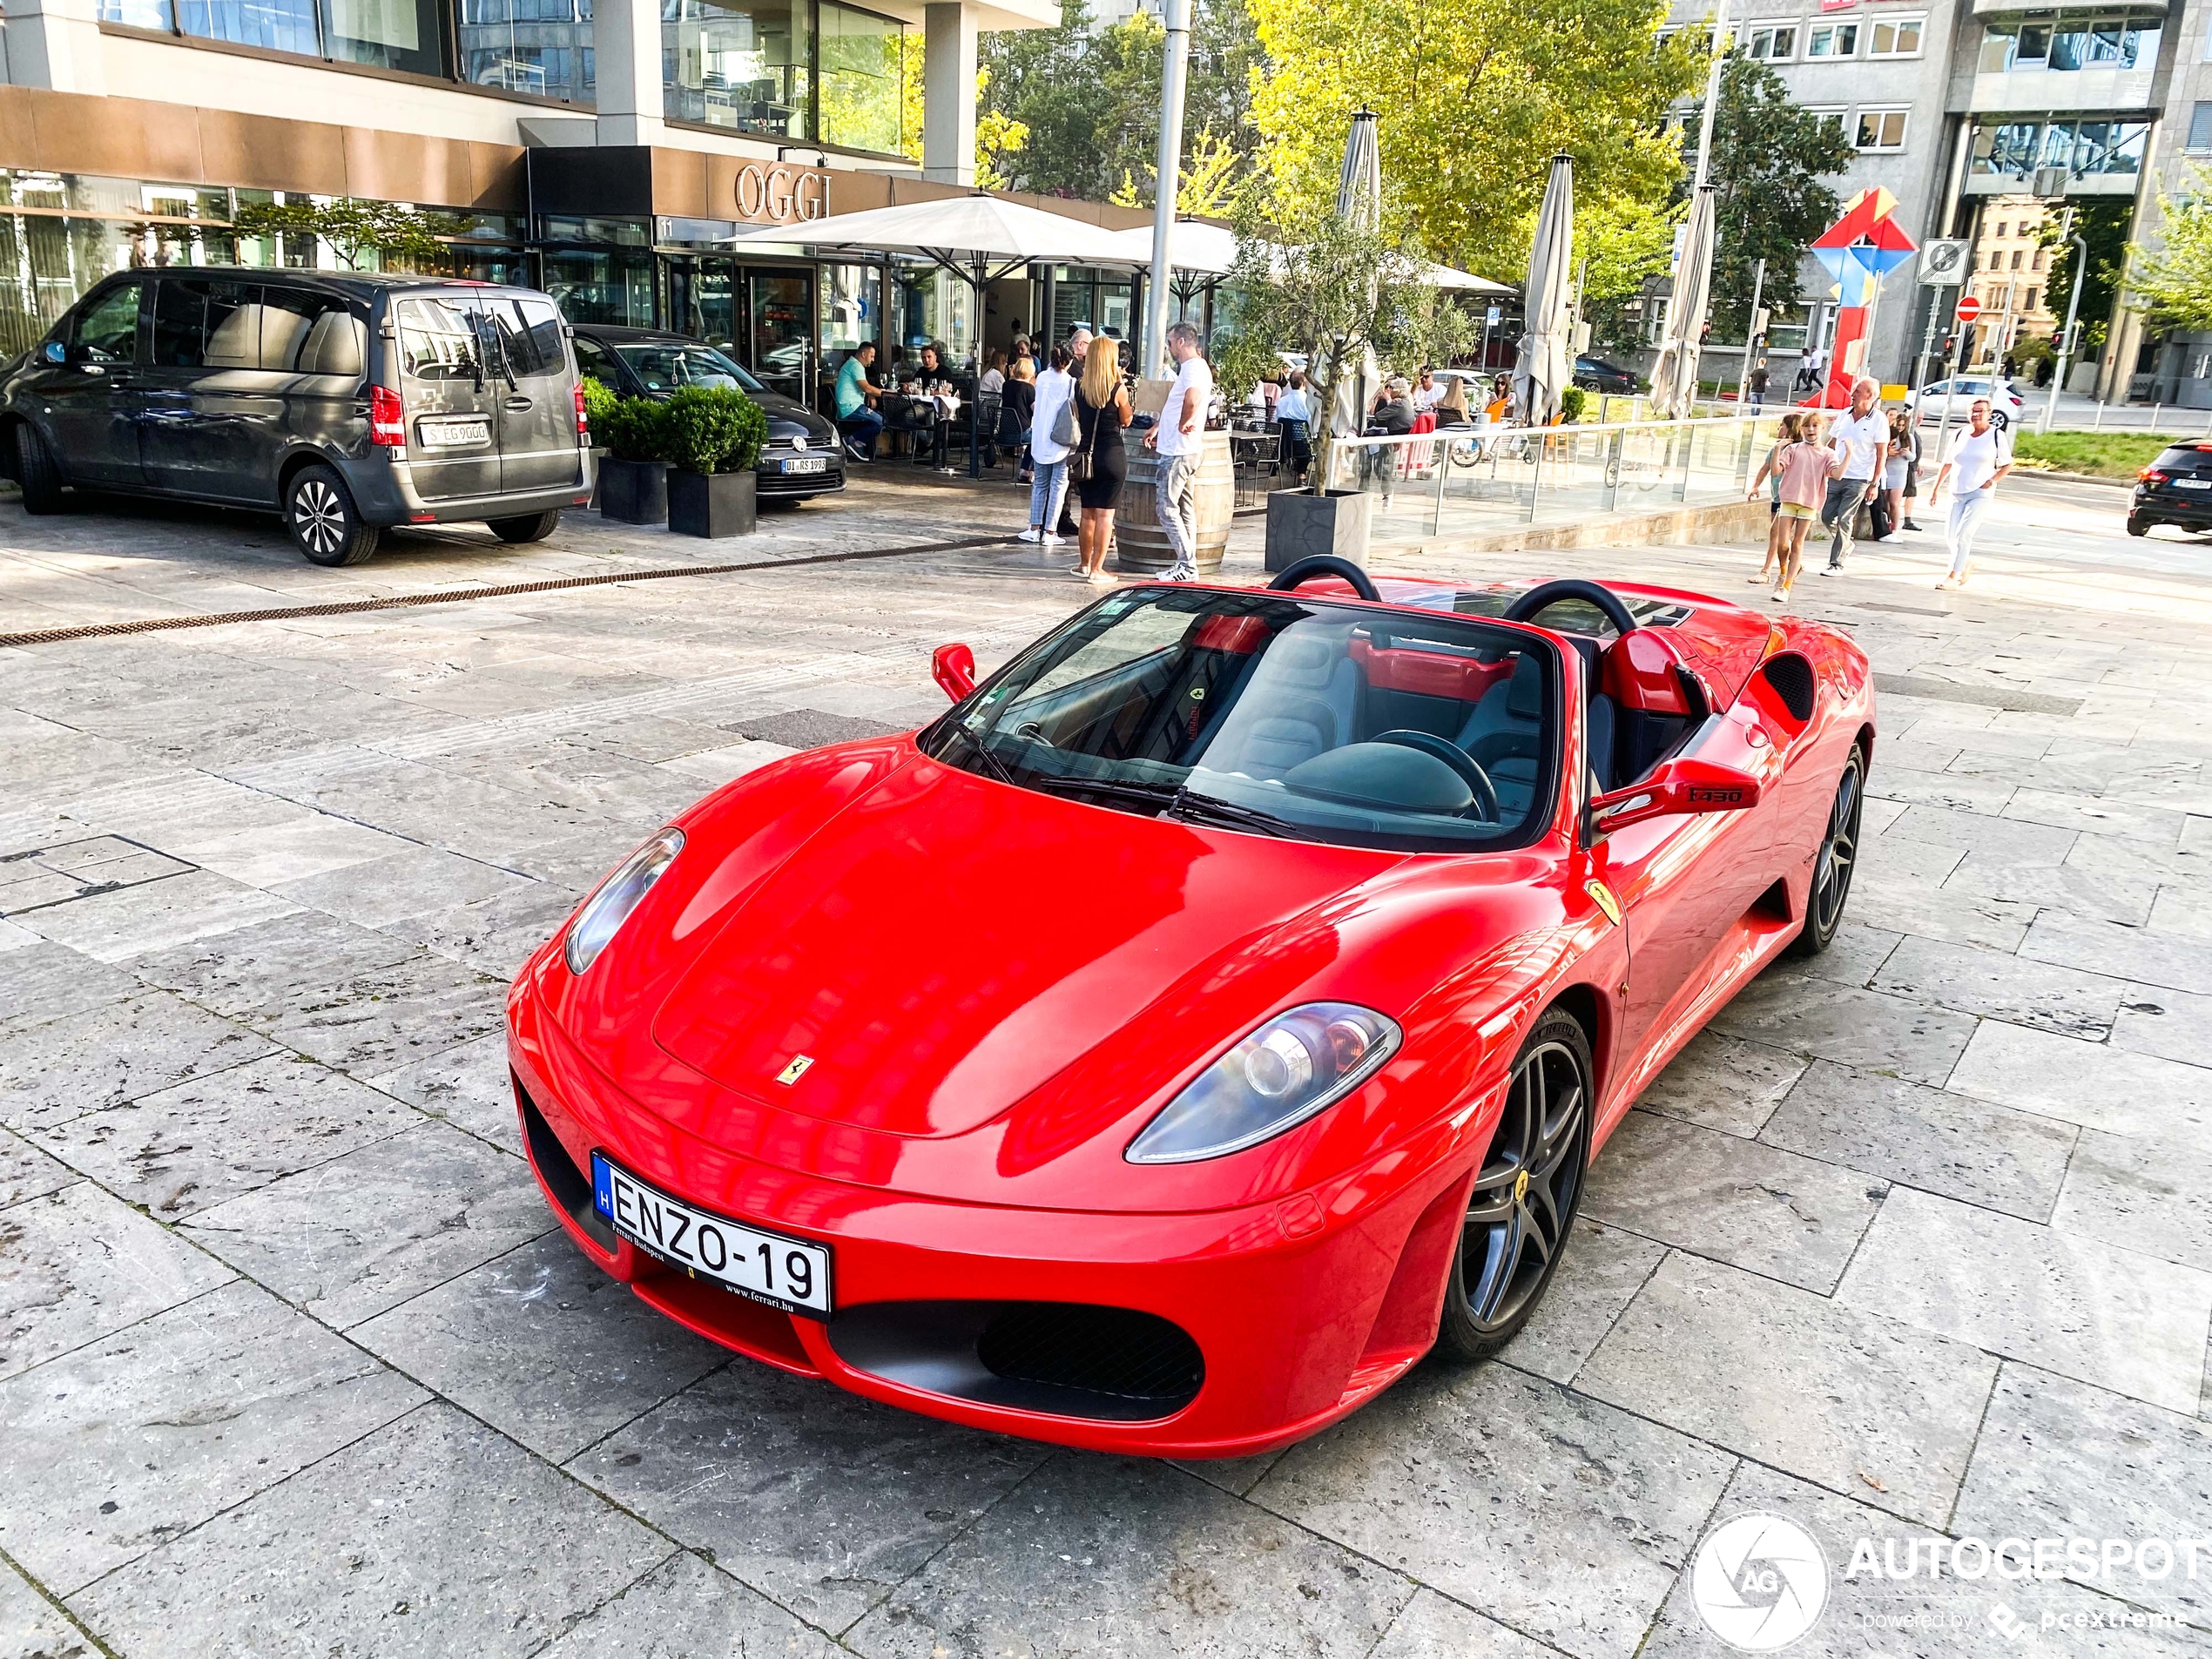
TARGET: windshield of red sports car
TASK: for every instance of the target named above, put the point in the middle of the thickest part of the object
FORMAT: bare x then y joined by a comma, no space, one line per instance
1276,714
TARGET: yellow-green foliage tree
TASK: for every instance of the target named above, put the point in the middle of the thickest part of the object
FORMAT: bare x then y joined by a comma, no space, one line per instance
2172,280
1214,182
1473,98
998,135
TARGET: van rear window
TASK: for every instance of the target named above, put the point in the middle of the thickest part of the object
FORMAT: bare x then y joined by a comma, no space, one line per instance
530,333
438,341
2185,457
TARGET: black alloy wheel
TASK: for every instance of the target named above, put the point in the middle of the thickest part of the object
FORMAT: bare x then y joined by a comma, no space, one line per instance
326,526
1834,863
1522,1212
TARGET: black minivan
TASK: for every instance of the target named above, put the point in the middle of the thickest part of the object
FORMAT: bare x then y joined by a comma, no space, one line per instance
345,402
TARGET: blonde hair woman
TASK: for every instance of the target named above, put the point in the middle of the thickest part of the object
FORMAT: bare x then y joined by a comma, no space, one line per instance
1099,461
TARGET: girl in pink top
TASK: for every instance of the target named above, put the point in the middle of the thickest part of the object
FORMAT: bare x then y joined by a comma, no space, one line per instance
1806,467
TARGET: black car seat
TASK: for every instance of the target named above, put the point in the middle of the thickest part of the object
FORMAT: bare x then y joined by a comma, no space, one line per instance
1504,733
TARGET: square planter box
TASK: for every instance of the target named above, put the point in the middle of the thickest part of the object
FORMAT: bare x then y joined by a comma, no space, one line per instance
712,504
633,492
1300,524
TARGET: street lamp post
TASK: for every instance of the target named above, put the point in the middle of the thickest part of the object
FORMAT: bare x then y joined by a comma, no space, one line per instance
2065,341
1173,75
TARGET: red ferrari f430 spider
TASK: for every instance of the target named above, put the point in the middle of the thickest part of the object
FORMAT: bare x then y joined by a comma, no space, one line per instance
1212,1014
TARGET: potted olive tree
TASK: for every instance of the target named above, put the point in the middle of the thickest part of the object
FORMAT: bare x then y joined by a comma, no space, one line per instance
1341,293
633,479
711,436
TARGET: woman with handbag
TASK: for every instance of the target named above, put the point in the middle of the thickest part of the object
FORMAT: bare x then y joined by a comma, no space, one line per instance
1099,464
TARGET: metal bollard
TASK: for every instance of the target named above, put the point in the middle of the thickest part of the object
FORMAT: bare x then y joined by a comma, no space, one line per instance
2100,425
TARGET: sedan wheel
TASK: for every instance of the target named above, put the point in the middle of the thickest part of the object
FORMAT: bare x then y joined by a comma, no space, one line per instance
1835,862
1521,1214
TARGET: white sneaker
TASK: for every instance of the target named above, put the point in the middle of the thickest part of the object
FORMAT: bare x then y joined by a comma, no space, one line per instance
1030,535
1181,573
1055,540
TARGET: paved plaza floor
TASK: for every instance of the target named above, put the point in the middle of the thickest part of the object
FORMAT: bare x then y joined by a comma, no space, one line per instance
1914,1244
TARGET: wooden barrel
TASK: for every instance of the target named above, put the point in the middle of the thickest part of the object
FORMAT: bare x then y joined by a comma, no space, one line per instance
1140,544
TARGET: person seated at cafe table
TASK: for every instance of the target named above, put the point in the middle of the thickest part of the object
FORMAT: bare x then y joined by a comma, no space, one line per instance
856,399
927,382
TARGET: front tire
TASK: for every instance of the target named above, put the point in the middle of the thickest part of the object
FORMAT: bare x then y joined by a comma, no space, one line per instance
1835,861
35,472
1522,1212
326,526
532,526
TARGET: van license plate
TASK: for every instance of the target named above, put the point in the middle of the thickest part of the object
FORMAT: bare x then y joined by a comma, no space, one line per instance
453,434
817,465
2193,483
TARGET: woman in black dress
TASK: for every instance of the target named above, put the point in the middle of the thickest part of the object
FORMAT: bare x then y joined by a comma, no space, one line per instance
1101,464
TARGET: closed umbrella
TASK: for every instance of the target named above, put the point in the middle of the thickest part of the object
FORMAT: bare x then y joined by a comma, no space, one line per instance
1545,365
1359,200
1674,378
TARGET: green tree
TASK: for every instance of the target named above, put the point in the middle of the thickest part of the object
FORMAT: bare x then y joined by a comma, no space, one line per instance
1473,100
1769,158
1333,289
353,228
1091,101
2102,223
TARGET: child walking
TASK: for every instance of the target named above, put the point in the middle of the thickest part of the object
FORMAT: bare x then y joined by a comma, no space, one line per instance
1770,467
1807,465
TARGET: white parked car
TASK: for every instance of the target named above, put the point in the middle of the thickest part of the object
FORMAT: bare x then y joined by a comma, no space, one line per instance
2005,397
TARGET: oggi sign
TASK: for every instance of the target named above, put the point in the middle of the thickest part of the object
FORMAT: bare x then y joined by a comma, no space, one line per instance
780,195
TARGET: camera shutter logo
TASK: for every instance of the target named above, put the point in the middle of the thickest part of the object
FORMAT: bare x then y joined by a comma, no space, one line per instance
1759,1582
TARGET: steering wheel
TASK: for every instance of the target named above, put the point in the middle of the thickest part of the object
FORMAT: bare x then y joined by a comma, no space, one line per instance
1486,797
1545,595
1327,564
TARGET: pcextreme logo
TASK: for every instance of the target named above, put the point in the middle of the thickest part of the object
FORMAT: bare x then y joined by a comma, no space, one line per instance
1759,1582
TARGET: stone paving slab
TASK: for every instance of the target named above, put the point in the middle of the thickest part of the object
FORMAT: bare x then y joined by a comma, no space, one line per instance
251,1027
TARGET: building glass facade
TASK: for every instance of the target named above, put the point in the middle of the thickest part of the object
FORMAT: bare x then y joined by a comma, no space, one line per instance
542,47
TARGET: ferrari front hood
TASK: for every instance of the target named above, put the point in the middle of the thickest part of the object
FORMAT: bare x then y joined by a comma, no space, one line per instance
947,943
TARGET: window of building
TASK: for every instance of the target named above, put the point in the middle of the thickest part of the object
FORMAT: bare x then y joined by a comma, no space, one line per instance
2000,230
1832,40
1881,130
2200,127
2087,39
2033,295
542,47
1828,115
391,34
2016,260
739,64
1895,38
861,85
1770,43
2017,148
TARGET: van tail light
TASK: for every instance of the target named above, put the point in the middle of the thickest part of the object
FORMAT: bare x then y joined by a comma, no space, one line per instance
386,418
583,420
2151,475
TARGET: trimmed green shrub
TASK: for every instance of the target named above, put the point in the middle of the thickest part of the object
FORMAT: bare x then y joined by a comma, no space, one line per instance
597,400
633,429
1571,402
711,428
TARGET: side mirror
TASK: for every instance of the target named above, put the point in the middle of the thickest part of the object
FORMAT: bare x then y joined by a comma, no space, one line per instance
954,668
54,352
1679,787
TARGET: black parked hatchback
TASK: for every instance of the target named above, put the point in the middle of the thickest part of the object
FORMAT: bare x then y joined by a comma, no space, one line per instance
345,402
2176,490
802,456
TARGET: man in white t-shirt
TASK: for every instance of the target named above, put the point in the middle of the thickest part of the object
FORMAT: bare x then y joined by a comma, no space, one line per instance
1179,436
1863,437
1427,392
1983,456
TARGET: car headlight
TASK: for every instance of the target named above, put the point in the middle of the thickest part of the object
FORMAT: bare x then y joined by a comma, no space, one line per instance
1278,1077
620,893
